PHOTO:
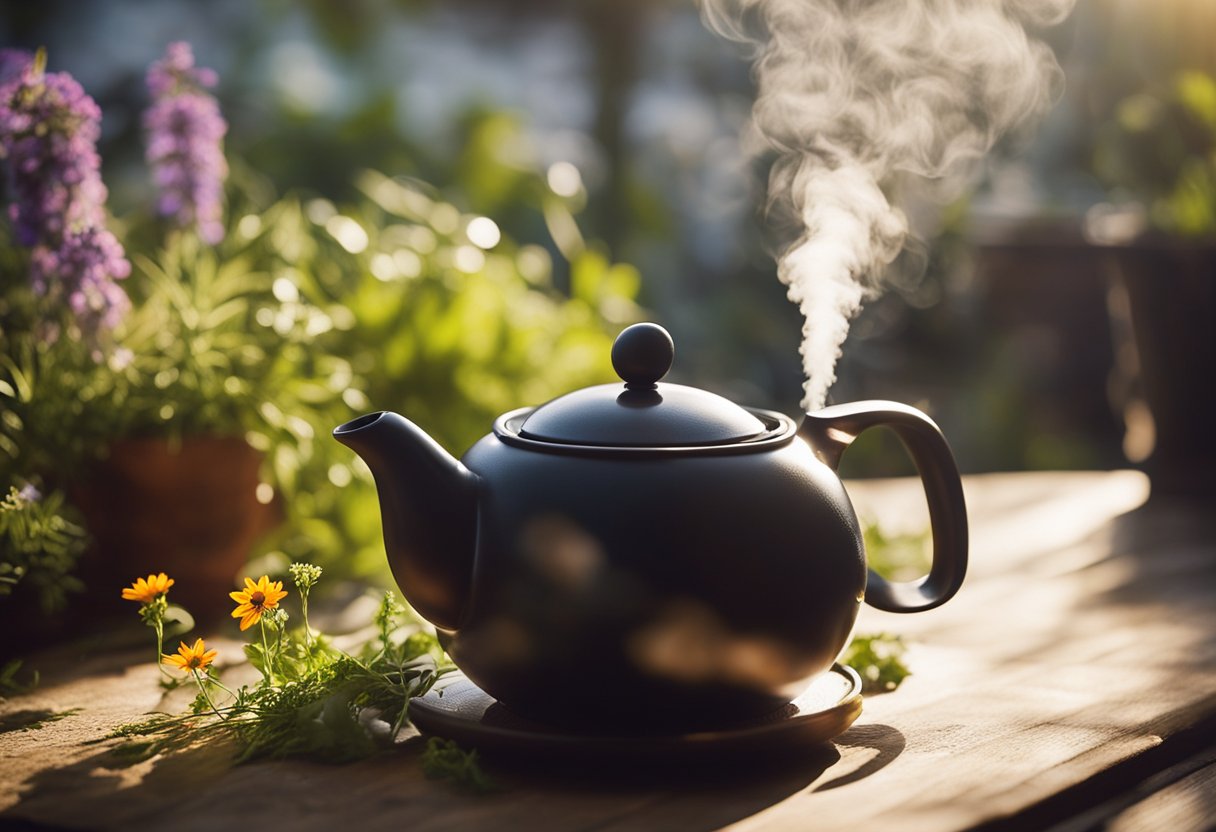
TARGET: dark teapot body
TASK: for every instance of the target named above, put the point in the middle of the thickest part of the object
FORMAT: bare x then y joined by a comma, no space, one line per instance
648,557
663,591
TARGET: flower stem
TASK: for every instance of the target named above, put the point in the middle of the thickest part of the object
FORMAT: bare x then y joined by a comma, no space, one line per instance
159,626
203,690
307,629
159,651
269,666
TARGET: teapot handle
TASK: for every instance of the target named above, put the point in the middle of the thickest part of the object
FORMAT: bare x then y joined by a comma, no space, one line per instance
831,430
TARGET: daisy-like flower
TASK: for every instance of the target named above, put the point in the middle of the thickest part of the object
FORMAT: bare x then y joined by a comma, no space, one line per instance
255,599
146,590
191,657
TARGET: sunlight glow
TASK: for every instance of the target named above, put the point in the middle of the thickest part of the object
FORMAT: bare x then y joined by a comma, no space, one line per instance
349,234
445,218
382,267
285,290
483,232
468,259
339,475
407,262
564,179
249,226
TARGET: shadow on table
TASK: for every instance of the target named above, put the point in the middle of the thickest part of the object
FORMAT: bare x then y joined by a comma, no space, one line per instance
200,784
32,719
887,741
710,793
101,791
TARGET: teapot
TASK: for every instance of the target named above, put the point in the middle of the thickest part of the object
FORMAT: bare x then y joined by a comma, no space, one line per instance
648,556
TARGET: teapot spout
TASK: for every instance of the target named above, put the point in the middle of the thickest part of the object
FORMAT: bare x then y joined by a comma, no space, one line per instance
428,505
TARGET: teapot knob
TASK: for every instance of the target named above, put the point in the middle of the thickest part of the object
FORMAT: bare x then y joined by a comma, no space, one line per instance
642,354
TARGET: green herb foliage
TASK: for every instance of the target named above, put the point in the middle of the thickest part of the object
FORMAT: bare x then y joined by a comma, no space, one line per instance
897,557
40,540
307,314
445,760
430,325
311,311
10,685
326,705
878,659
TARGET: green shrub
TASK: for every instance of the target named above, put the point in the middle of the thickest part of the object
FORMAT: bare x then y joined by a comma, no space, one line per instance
307,314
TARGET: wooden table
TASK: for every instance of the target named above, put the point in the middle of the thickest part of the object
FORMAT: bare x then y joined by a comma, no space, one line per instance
1072,682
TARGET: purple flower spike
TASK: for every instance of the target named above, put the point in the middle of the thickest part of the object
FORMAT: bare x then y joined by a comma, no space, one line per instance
48,134
48,131
185,134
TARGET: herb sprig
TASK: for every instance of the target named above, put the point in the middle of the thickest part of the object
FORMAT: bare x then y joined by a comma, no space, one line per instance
314,701
445,760
878,659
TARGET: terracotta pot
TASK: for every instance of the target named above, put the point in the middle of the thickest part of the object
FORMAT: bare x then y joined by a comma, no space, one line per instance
1170,289
188,510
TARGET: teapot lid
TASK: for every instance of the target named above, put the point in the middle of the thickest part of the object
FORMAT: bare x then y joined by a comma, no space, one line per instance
642,413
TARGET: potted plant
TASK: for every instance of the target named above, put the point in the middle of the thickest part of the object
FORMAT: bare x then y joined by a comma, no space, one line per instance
132,389
1158,156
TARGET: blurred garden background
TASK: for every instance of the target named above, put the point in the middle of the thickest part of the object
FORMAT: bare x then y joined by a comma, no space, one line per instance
449,209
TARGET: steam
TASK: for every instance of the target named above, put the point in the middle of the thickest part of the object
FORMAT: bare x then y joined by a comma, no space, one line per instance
862,97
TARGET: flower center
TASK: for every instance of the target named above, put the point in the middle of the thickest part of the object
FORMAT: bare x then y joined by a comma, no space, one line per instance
257,599
195,661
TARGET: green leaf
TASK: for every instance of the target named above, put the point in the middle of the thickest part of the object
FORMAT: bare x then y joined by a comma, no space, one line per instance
878,660
587,275
1197,92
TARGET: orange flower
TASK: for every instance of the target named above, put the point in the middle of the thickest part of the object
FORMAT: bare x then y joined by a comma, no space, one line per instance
255,599
147,590
195,657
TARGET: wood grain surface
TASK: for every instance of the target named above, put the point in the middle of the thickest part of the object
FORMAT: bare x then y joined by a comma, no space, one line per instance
1082,646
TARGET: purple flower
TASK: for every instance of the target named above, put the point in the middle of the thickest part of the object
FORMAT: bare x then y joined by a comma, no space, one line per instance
185,143
48,133
176,70
84,267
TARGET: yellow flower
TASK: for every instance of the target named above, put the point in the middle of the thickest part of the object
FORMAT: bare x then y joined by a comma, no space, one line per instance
147,590
255,599
195,657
